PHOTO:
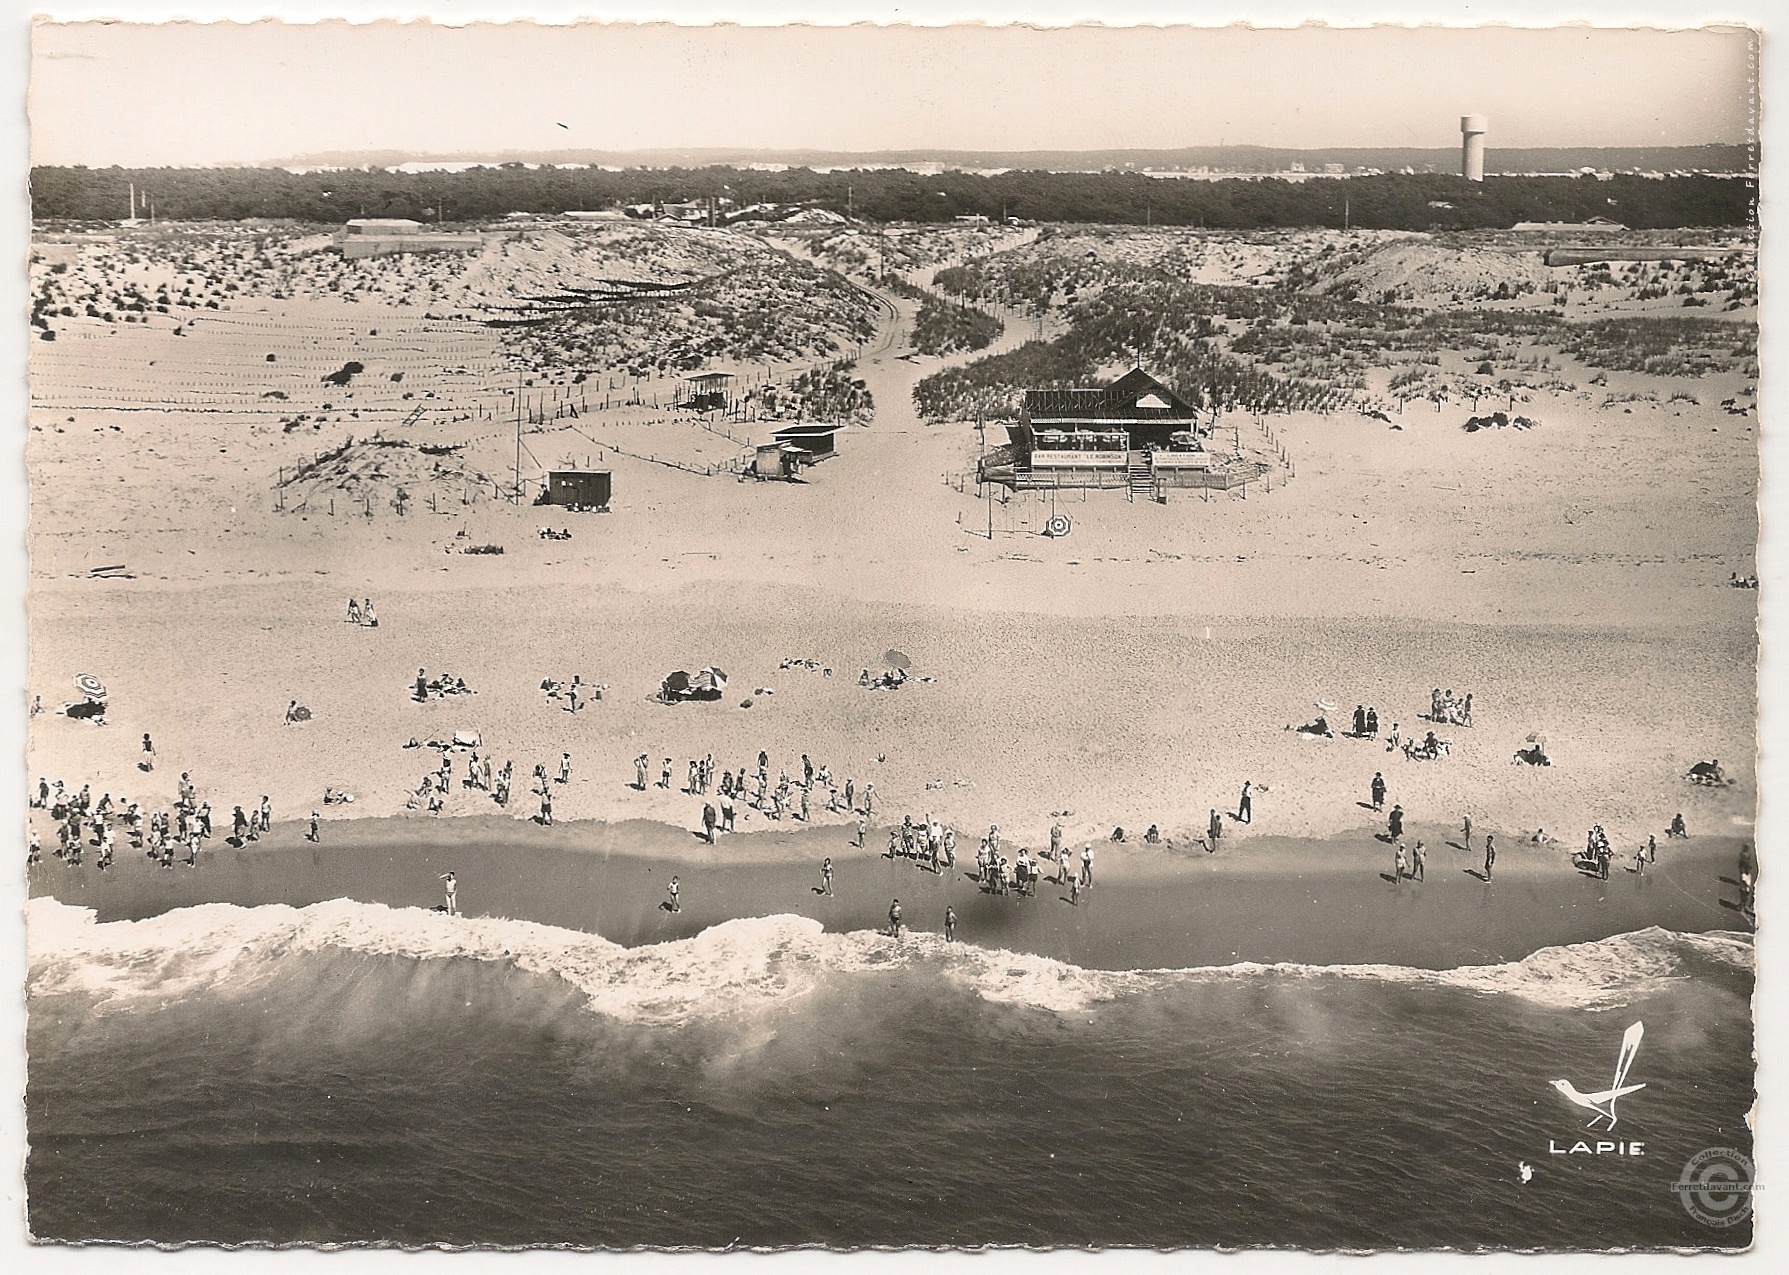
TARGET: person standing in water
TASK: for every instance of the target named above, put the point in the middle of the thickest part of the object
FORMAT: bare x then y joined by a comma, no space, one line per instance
1419,862
894,918
1466,830
1490,855
826,877
676,904
1398,863
452,885
950,924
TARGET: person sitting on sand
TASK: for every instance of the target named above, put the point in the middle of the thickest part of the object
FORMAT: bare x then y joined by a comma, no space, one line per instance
367,617
1677,831
1320,727
1118,834
1153,837
353,611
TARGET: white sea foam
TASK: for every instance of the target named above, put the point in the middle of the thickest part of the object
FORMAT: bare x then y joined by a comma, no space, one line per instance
740,966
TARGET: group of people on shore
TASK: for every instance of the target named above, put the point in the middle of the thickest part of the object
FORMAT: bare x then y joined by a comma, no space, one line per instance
791,795
1443,707
82,822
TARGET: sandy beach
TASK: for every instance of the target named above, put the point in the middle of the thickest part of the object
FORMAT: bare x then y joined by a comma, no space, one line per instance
1136,672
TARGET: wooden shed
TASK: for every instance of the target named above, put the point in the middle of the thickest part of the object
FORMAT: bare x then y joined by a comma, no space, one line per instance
577,489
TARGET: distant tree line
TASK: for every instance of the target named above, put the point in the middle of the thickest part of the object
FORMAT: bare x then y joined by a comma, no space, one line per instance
1386,202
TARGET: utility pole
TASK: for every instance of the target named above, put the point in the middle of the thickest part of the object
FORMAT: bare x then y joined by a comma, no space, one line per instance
517,499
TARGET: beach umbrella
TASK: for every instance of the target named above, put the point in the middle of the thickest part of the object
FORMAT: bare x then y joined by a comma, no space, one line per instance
1536,738
90,686
897,659
678,681
1326,706
719,675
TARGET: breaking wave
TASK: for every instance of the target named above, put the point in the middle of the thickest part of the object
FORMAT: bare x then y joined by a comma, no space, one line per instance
741,966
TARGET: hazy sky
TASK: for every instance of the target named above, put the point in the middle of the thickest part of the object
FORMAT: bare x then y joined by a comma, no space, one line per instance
225,93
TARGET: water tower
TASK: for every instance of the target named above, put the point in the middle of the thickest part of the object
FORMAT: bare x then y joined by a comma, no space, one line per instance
1472,147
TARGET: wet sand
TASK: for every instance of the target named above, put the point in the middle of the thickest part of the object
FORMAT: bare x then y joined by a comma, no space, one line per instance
1328,901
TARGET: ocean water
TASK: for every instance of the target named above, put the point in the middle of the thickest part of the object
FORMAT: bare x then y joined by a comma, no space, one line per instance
348,1072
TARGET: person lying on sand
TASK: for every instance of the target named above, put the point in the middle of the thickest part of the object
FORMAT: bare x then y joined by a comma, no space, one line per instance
1316,729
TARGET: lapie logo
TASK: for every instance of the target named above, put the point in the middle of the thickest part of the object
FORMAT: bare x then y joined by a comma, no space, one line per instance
1601,1104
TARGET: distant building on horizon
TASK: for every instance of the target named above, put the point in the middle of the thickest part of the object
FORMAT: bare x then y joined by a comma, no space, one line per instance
383,236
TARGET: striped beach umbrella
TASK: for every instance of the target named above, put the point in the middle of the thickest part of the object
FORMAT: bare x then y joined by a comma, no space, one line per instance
90,686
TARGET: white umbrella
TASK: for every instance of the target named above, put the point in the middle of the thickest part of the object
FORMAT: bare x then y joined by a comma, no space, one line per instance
1326,706
90,686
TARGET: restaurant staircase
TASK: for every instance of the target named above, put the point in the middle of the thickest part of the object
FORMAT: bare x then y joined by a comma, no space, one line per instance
1140,476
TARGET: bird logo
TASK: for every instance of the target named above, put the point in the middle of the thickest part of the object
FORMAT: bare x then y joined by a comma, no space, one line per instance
1602,1104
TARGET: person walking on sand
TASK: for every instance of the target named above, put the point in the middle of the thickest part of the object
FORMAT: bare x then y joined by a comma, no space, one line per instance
1395,822
1652,848
564,768
673,889
1245,809
640,767
950,924
894,918
664,775
826,877
451,884
727,812
708,821
265,813
850,798
1398,863
546,808
1490,855
1466,831
1056,841
1378,790
148,752
316,820
1419,862
869,799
